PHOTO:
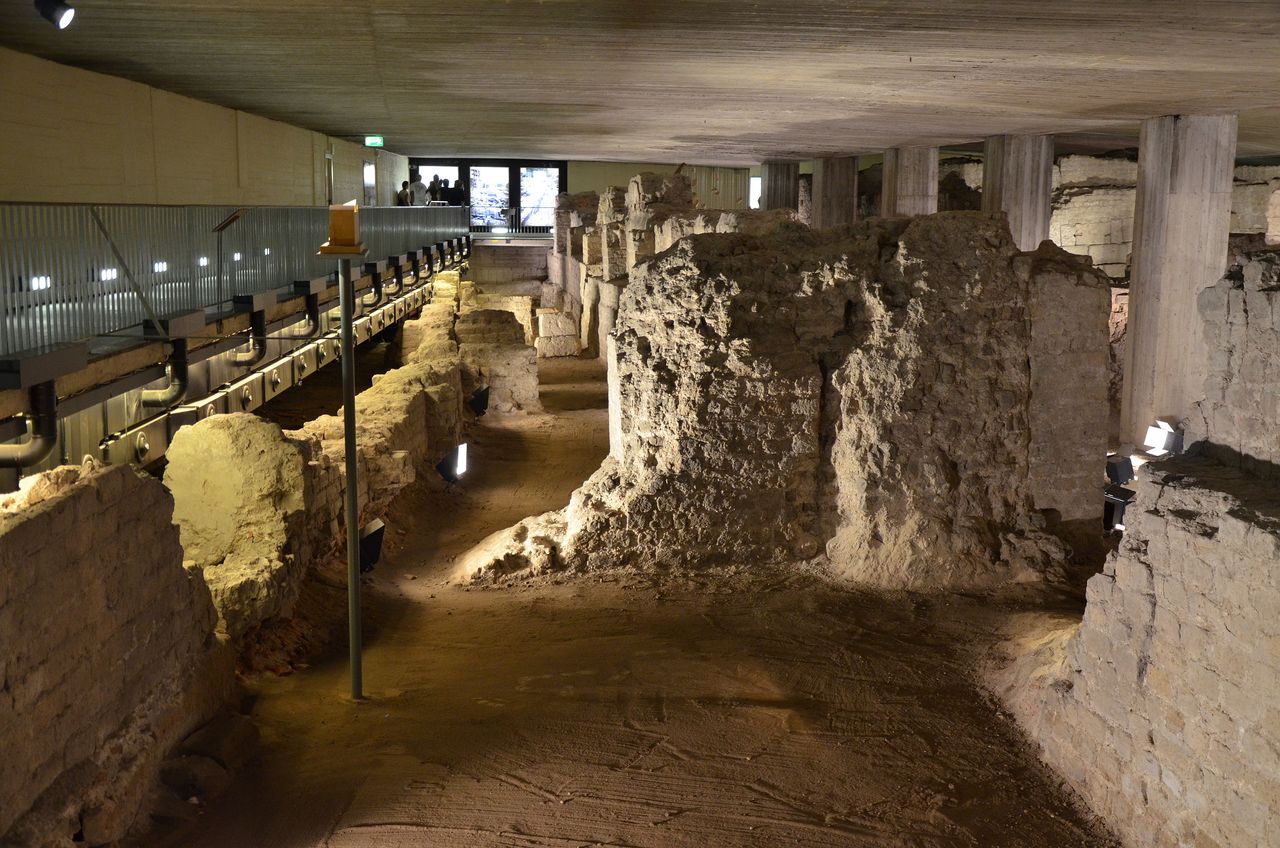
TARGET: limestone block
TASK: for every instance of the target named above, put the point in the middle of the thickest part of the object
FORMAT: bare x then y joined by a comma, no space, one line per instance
510,371
556,324
614,249
488,326
552,296
238,492
592,253
553,346
611,207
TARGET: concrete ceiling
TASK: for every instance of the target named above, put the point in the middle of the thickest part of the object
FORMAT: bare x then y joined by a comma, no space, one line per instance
713,82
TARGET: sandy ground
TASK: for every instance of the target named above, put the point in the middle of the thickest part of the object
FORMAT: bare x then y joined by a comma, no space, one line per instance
752,710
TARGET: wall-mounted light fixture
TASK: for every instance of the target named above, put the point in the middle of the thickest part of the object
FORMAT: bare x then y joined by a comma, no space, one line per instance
59,14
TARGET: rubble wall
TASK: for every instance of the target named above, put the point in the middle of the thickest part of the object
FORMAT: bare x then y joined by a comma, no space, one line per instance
109,656
1160,707
261,510
1069,305
931,411
1241,407
865,391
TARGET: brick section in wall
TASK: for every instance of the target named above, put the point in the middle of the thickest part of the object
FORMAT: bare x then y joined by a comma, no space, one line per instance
106,639
1160,708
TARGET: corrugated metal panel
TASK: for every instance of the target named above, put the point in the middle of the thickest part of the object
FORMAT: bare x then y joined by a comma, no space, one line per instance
61,280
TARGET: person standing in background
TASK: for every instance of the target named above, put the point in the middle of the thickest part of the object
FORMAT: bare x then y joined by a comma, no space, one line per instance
418,192
404,197
434,187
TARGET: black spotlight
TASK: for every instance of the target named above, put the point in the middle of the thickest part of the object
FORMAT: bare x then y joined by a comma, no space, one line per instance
371,545
1119,469
479,401
59,14
454,465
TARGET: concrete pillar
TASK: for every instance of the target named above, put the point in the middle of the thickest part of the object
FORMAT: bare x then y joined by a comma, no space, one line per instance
1180,230
835,191
910,182
1017,179
780,185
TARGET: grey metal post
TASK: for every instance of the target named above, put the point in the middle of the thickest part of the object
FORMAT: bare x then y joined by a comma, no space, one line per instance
346,300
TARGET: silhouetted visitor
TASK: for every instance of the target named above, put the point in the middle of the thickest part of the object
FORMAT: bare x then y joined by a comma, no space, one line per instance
404,197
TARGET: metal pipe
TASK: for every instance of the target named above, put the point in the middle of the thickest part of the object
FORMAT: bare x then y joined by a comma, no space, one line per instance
257,337
174,393
377,292
399,280
43,430
346,300
313,321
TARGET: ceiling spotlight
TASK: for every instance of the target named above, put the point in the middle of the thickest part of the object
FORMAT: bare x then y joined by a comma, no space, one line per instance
59,14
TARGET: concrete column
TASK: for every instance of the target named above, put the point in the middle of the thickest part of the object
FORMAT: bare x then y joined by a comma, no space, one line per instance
910,184
1180,230
835,191
780,185
1017,179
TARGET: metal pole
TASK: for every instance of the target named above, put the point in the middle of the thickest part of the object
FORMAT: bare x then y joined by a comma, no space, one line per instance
346,299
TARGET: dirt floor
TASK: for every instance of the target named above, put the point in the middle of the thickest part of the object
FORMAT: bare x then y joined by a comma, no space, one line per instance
768,709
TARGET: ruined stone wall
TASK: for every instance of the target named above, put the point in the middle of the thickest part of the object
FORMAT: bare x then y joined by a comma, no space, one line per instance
1239,414
503,263
931,444
261,509
1070,309
1160,707
109,658
865,391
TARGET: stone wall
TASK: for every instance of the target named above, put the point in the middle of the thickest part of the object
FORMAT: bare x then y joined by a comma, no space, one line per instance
261,510
1160,708
1238,417
505,263
865,392
109,656
1069,306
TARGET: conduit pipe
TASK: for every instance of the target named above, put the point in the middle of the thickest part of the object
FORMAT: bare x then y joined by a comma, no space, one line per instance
176,391
257,337
378,294
312,327
43,430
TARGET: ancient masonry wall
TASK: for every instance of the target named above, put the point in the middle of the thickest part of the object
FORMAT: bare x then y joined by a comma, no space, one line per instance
867,392
110,659
261,509
1238,418
1160,708
570,292
1069,306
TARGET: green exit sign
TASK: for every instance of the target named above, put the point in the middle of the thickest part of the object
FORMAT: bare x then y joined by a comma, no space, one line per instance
373,141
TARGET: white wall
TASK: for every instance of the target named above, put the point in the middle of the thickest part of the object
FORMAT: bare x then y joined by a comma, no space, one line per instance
74,136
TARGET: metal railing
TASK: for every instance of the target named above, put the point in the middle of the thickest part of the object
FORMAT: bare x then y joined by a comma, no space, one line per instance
72,272
505,221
